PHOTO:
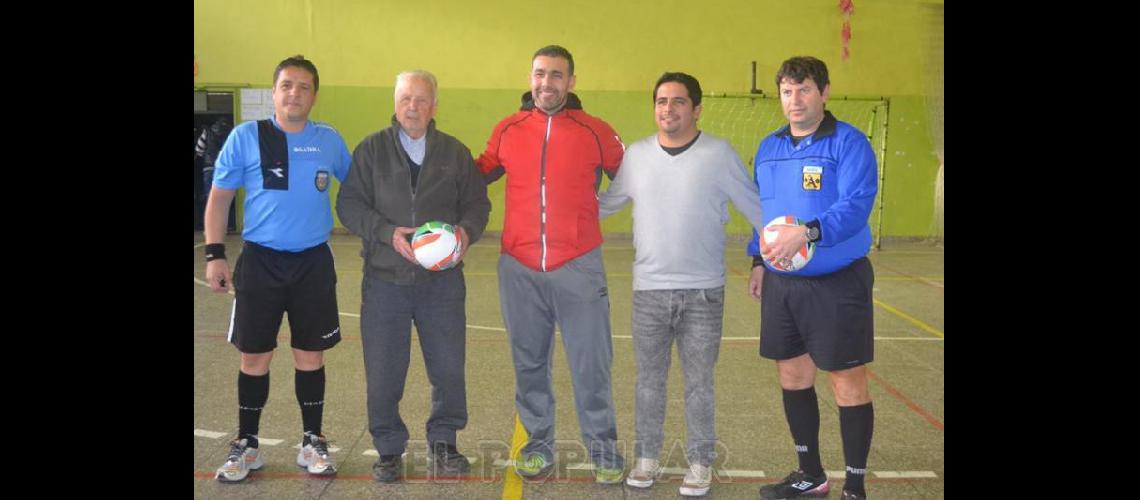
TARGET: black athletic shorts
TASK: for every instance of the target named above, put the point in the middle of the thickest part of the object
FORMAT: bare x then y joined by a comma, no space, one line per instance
268,283
831,317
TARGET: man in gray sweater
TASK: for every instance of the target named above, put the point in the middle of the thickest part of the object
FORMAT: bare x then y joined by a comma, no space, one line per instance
680,181
401,177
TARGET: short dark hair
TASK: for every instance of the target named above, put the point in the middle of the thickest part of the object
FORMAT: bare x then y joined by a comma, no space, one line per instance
798,69
691,84
300,62
556,51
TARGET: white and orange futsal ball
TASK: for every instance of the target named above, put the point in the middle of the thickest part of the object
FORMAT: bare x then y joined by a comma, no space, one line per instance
802,255
436,246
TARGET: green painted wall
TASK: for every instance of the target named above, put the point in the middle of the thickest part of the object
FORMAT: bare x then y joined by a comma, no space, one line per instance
481,51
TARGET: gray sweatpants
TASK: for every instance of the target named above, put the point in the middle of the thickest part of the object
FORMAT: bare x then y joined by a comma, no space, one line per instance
694,319
574,295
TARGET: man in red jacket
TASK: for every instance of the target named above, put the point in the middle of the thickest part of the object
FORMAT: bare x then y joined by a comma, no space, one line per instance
550,269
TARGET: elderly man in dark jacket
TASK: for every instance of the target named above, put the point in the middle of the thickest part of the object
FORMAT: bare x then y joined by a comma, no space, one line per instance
401,177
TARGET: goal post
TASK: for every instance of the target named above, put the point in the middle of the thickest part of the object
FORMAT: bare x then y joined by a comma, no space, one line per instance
744,119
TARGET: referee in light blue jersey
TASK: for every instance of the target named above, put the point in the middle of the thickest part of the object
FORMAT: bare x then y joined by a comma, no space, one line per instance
286,165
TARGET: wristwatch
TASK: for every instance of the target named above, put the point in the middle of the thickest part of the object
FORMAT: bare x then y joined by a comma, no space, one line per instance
812,231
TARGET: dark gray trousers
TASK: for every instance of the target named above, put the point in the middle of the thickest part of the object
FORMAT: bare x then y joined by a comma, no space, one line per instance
386,316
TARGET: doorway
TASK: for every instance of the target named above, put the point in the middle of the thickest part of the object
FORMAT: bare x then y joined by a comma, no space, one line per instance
213,121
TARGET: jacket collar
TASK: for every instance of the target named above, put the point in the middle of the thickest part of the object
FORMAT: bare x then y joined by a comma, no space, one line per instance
396,125
826,127
572,102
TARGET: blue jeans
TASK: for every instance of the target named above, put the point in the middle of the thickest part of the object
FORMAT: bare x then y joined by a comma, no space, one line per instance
693,318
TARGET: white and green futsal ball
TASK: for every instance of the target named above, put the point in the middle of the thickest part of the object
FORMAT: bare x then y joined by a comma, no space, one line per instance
803,254
436,246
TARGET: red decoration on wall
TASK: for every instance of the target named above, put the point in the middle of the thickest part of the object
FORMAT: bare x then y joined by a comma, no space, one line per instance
847,8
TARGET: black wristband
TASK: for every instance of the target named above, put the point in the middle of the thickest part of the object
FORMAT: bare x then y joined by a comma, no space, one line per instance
757,261
215,251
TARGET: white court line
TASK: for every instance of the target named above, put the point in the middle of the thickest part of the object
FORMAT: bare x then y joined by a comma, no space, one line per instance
904,473
477,327
679,471
500,329
231,292
887,474
741,473
208,434
332,449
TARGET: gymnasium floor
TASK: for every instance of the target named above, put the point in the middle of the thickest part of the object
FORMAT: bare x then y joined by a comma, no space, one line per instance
907,385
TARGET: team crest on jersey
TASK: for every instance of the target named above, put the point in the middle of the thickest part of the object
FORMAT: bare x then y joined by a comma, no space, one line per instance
322,180
813,177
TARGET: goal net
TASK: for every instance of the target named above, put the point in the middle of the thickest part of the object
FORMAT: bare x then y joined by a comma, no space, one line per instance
745,119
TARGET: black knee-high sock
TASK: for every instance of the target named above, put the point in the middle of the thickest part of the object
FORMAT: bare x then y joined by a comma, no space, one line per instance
856,424
802,410
311,396
253,391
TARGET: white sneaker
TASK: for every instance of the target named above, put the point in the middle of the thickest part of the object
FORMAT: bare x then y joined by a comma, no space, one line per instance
314,455
644,473
697,481
242,459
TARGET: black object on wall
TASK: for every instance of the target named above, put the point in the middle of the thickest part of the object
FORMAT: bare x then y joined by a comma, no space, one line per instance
213,121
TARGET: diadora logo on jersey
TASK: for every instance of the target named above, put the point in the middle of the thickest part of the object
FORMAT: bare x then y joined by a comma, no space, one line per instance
306,149
813,176
322,180
279,172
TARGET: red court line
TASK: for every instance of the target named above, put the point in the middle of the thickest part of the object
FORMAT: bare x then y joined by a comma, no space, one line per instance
220,336
268,476
258,475
905,400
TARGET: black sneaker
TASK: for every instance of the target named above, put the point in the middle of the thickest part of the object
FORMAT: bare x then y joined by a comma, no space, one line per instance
445,460
797,484
847,495
388,469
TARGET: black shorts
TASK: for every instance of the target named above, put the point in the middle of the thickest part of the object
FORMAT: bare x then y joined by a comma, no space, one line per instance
831,317
268,283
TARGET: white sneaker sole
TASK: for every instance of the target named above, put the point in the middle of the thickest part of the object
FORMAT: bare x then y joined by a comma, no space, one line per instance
256,465
329,470
638,483
694,491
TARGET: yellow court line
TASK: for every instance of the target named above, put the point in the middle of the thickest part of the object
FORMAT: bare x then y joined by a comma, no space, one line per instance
909,278
910,318
512,483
